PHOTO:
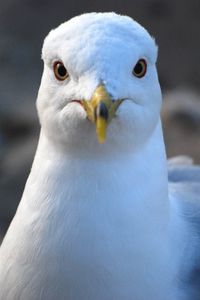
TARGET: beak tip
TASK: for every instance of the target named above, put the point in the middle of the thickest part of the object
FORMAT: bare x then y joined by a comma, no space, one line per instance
101,140
101,125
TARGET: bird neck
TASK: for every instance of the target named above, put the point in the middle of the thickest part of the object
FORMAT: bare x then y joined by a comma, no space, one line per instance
144,173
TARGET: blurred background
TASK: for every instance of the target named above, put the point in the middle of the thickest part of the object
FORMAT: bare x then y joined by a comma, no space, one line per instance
23,26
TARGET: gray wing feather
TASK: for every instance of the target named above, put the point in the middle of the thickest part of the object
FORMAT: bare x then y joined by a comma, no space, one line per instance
184,192
184,174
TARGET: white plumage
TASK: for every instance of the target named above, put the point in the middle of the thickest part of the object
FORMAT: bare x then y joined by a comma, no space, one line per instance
101,222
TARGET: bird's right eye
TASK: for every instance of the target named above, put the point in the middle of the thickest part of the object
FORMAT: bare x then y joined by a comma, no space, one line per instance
140,68
60,71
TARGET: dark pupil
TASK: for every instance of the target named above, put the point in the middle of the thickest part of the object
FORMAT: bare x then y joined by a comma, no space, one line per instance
138,68
61,70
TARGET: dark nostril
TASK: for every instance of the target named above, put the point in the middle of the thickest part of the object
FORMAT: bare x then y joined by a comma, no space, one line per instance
101,111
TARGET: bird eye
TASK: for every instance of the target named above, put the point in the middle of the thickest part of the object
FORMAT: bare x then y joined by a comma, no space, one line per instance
60,71
140,68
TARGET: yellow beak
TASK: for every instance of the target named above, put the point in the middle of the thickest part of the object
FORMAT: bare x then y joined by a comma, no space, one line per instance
100,110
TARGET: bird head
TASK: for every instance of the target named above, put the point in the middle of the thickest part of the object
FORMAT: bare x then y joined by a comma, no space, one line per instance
99,84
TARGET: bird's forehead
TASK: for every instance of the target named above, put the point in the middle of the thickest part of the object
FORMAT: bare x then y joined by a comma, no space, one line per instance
96,36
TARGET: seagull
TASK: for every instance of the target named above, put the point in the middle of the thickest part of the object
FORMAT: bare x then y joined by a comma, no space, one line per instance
103,215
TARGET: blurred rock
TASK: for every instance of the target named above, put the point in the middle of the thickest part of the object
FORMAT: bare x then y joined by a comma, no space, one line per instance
19,130
181,123
18,123
15,168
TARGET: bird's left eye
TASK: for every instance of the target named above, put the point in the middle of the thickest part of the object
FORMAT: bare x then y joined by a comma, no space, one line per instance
140,68
60,71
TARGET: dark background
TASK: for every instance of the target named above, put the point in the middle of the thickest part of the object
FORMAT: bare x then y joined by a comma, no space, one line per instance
23,26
